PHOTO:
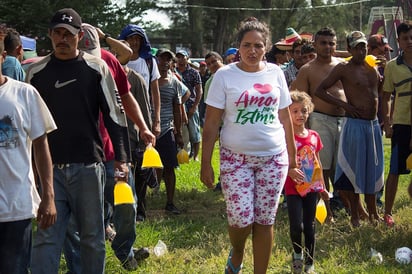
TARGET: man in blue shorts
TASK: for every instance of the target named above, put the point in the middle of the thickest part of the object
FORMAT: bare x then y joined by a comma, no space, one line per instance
359,168
170,125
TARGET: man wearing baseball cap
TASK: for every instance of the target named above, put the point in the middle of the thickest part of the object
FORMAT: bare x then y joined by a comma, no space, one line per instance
170,137
191,78
378,45
67,18
76,87
359,167
230,55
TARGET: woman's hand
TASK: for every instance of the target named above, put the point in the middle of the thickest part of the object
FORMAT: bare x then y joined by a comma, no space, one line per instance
296,175
207,175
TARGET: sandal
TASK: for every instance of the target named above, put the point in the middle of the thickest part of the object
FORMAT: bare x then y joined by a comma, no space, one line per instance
388,220
230,266
110,233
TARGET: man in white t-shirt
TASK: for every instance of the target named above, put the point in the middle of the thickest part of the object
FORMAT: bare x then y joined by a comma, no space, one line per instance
24,123
143,62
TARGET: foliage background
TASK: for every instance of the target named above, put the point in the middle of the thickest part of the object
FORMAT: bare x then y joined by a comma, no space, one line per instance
200,25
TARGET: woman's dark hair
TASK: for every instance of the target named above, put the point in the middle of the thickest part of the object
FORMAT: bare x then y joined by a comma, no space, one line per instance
251,24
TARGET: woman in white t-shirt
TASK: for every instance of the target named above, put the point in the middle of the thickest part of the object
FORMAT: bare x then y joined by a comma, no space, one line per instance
251,97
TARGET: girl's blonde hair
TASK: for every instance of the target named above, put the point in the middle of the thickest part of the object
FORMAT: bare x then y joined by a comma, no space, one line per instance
303,98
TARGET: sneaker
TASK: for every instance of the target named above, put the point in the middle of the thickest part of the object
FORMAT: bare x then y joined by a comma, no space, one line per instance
388,219
130,264
297,263
141,253
172,209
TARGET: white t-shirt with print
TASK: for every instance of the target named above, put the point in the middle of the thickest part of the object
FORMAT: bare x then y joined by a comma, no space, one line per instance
23,117
139,65
251,101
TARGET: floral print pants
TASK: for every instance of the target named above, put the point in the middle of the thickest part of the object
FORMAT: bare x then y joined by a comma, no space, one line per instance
252,186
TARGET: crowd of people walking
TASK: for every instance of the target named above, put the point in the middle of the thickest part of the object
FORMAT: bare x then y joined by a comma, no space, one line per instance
297,120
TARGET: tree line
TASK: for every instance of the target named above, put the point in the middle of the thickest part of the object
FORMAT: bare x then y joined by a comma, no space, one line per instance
200,25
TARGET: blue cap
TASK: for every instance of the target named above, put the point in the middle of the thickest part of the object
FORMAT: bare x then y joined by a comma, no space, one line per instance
182,52
230,51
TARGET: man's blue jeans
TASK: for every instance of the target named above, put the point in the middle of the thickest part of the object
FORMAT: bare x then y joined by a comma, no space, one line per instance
124,219
78,192
15,246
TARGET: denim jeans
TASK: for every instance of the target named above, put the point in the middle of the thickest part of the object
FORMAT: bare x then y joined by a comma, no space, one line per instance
79,193
15,247
124,219
108,192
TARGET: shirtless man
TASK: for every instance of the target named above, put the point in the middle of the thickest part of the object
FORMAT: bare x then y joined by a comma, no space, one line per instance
359,168
326,118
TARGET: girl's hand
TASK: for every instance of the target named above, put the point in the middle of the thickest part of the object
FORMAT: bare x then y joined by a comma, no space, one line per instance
296,175
324,195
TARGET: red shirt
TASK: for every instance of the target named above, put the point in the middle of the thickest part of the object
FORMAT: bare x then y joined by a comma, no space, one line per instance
123,87
306,147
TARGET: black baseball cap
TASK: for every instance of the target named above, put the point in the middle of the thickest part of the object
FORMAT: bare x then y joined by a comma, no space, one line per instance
165,51
67,18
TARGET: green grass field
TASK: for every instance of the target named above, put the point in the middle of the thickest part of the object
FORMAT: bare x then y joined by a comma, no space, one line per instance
197,239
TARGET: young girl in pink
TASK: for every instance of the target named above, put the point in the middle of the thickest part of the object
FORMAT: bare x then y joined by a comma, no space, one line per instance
303,185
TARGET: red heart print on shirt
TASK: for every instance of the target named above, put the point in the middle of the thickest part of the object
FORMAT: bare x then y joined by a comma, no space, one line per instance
263,89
